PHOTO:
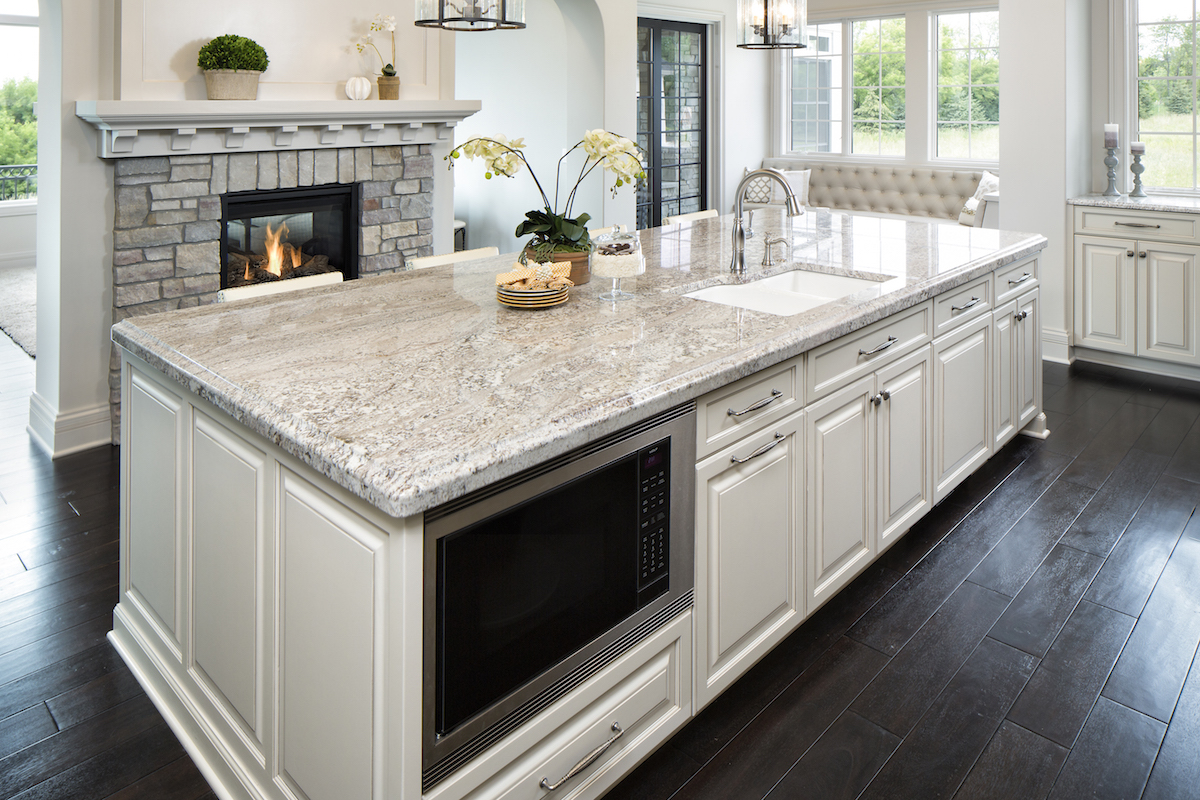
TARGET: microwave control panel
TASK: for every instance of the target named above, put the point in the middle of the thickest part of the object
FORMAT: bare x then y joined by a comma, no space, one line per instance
654,512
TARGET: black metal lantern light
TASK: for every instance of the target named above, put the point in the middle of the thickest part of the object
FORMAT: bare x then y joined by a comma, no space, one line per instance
471,15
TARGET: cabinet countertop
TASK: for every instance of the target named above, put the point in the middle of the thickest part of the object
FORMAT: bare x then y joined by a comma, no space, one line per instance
415,388
1177,204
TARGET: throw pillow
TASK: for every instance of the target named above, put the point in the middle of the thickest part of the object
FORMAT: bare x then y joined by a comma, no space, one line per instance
988,183
758,190
967,215
798,180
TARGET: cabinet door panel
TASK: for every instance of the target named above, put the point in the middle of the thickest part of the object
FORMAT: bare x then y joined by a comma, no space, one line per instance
1028,360
749,554
962,399
1104,294
1004,372
841,535
1167,321
905,443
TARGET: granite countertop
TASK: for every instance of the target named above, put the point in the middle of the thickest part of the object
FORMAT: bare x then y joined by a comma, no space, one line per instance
415,388
1155,202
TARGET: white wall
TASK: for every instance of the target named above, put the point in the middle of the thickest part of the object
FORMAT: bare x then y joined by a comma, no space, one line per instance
310,44
18,233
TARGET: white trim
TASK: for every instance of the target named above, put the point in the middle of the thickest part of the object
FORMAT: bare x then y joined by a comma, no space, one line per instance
1137,364
1056,346
19,19
59,434
19,208
25,258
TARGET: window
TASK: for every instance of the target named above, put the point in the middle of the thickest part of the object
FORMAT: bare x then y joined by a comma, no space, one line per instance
18,93
878,113
968,85
1166,91
874,124
851,91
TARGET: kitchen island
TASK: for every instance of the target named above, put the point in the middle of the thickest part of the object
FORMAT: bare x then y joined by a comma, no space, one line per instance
279,456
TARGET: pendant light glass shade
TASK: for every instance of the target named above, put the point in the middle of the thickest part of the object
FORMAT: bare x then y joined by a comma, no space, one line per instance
471,15
772,24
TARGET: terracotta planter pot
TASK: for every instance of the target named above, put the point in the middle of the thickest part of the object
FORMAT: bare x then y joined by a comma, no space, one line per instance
231,84
581,272
389,87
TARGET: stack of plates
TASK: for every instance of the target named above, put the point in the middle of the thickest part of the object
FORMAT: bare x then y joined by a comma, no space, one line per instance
531,299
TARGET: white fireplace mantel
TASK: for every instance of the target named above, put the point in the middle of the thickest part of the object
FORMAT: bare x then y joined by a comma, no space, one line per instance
140,128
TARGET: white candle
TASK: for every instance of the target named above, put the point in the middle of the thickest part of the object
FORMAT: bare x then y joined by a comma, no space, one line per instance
1137,148
1110,135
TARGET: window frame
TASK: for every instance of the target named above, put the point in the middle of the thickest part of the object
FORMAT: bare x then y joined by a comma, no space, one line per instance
26,205
920,91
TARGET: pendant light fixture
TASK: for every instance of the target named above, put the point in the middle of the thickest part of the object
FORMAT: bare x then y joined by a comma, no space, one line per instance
772,24
471,15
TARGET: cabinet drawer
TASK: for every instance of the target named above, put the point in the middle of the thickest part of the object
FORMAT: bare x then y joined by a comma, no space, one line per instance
647,693
961,305
835,364
745,406
1138,224
1013,280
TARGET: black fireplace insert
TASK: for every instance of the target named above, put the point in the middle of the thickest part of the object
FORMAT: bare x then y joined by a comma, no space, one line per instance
277,234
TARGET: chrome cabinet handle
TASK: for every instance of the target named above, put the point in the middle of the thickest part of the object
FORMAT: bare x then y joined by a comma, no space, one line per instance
1129,253
766,401
766,447
974,302
1020,316
876,400
885,394
587,761
1142,254
891,340
1137,225
1029,275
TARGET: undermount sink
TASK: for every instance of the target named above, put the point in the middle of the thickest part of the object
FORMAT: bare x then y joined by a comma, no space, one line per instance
787,293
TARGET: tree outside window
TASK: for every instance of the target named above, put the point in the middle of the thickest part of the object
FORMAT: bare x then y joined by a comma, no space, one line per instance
879,99
968,85
18,126
1166,92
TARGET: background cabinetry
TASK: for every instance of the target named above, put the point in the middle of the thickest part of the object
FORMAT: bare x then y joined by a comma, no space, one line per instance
1137,296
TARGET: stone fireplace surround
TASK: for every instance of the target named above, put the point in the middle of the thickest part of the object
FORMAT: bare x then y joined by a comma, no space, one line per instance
167,227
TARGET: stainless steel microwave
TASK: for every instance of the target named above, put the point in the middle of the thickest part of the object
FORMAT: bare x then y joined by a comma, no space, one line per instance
536,583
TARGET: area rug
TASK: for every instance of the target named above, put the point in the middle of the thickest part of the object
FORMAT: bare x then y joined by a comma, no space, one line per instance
18,306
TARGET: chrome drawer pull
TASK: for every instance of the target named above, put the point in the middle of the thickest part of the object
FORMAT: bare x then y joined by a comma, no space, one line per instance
1024,278
891,340
766,401
587,761
1137,225
758,452
974,302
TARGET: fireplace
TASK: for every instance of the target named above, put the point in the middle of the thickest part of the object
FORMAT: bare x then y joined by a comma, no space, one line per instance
277,234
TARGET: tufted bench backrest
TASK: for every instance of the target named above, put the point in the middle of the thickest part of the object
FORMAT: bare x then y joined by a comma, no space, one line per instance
917,192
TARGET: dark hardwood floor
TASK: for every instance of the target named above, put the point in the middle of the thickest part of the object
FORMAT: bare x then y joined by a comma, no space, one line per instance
1035,636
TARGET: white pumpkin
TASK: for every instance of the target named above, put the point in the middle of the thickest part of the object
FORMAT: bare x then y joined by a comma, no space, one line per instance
358,88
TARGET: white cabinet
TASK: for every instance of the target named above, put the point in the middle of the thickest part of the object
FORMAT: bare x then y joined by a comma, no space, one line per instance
962,385
749,552
1137,296
869,470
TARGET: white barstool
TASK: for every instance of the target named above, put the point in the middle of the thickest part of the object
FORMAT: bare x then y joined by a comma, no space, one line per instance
450,258
695,215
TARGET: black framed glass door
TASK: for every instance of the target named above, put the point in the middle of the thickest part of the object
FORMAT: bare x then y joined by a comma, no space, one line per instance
672,114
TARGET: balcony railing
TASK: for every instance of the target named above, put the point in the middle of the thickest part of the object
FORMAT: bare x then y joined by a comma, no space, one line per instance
18,182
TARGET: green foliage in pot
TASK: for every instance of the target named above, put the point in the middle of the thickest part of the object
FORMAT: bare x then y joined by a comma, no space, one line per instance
233,52
555,233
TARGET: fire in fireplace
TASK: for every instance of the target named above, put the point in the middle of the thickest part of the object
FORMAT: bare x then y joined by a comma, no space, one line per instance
277,234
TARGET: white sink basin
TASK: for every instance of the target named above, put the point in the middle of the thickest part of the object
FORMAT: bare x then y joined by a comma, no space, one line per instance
787,293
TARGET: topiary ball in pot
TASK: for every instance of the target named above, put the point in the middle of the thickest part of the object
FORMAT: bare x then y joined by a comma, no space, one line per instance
231,67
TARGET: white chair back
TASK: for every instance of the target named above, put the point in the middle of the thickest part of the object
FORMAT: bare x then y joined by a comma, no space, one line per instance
594,232
695,215
450,258
277,287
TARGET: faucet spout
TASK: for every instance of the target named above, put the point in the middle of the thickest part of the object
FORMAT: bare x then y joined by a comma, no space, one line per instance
794,209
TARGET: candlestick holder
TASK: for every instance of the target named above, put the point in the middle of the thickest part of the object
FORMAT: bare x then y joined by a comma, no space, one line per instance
1137,168
1110,161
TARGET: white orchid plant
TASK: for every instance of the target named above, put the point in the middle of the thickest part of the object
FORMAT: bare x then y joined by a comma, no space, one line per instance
379,25
555,232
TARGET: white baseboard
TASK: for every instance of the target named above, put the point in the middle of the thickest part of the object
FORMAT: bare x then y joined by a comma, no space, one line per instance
1137,364
27,258
1056,346
62,434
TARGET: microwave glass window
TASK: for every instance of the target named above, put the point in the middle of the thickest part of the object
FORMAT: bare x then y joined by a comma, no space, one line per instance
522,590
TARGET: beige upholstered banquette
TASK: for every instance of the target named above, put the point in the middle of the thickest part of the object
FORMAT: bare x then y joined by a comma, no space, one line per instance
938,193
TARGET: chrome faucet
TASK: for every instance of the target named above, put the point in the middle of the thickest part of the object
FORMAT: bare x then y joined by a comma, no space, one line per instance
738,266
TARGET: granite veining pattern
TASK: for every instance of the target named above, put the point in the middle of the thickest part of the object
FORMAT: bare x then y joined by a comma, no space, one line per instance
1166,202
415,388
